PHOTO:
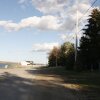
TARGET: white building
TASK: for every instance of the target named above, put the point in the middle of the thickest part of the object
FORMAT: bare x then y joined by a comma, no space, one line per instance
26,63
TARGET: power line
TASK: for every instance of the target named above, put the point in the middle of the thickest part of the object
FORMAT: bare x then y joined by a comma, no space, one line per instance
85,12
88,10
77,27
84,15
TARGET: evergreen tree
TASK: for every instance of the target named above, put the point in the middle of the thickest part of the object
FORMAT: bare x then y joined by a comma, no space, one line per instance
90,42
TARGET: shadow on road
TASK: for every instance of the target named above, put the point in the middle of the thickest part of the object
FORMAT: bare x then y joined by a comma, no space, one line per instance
71,77
13,87
83,85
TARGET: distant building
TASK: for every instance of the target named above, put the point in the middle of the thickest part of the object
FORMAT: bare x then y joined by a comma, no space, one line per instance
26,63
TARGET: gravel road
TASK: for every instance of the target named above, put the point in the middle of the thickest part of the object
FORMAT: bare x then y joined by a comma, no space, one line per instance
30,84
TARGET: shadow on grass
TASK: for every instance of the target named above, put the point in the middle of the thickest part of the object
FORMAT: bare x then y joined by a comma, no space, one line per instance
86,78
13,87
89,82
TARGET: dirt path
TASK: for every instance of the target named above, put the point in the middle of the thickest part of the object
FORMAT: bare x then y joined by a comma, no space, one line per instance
31,84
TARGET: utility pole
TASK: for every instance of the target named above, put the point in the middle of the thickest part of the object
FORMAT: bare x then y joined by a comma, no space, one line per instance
76,38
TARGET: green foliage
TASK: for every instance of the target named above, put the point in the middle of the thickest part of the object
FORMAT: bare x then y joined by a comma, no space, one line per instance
89,50
63,56
53,56
67,55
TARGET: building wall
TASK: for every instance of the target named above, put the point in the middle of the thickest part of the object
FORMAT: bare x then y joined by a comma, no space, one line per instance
26,63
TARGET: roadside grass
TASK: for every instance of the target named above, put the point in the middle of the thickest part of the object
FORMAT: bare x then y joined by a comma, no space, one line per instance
88,81
12,65
86,78
2,78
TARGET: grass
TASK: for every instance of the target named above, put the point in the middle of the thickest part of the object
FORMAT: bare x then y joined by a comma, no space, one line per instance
88,81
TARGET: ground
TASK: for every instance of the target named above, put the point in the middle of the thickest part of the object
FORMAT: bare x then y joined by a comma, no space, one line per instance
38,84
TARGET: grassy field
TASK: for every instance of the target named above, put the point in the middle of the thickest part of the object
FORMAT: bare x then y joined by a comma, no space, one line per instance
88,82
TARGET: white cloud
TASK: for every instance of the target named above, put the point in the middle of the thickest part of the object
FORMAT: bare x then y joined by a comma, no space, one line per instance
64,10
70,37
67,37
61,8
9,25
42,47
58,15
24,2
42,23
49,6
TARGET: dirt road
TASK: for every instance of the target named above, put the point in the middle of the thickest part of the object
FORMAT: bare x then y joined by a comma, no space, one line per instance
31,84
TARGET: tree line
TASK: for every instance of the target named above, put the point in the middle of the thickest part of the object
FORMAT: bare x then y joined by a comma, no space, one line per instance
62,56
88,52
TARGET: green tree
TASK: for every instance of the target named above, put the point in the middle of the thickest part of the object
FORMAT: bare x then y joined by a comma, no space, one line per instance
89,49
53,57
67,55
62,56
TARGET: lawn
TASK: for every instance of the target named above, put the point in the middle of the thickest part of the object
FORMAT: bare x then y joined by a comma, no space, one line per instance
88,82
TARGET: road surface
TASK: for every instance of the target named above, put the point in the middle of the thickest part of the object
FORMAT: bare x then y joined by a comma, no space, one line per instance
31,84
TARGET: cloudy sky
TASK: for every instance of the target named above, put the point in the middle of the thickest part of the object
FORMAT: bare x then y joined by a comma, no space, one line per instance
30,28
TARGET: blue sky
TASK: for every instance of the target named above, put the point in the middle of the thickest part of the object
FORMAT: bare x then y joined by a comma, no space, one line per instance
30,28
